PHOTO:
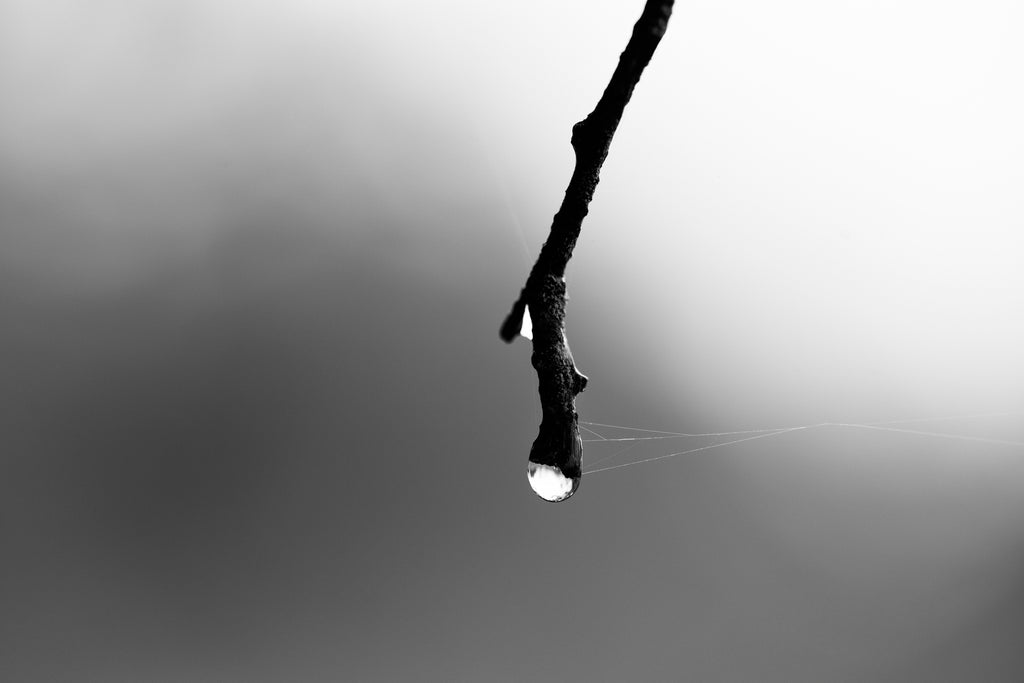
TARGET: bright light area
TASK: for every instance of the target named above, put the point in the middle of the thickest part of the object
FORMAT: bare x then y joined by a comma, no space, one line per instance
527,328
549,483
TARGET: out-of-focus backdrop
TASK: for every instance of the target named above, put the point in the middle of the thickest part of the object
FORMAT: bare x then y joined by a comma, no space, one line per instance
256,423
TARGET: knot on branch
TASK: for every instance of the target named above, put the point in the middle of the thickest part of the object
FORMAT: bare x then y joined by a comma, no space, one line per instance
592,137
580,139
581,382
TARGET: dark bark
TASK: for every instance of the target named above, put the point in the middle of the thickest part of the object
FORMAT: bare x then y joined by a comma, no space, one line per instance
558,443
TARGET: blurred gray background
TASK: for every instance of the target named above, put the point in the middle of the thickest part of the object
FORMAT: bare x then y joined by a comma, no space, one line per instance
256,423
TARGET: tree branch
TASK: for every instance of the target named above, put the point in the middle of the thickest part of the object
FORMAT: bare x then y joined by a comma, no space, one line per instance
558,444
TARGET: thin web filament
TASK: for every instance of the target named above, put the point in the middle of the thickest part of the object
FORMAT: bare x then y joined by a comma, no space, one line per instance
655,434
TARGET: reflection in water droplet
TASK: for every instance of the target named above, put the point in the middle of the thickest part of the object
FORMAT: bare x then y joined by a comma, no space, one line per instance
549,483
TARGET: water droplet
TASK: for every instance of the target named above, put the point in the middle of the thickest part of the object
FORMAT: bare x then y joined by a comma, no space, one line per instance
549,483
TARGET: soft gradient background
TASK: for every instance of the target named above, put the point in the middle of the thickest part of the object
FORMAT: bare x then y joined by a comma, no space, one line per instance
256,423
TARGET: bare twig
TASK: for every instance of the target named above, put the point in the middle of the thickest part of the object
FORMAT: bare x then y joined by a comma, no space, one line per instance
558,444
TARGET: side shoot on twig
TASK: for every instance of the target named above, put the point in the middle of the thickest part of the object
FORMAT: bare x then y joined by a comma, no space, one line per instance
555,467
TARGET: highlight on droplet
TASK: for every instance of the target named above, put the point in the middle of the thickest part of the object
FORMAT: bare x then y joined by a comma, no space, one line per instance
527,329
549,483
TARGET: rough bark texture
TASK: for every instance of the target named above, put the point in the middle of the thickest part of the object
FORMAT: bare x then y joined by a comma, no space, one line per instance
558,442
